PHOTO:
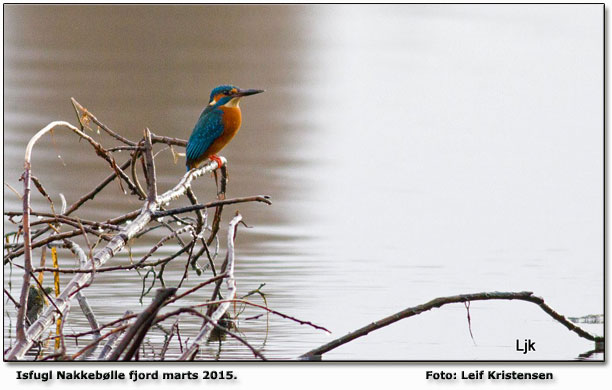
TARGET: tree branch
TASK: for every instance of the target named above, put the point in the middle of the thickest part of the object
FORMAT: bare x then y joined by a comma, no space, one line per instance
189,354
438,302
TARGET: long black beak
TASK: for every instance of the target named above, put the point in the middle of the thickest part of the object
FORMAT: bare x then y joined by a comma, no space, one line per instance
247,92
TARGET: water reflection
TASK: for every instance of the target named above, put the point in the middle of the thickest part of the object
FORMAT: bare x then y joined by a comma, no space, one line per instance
410,151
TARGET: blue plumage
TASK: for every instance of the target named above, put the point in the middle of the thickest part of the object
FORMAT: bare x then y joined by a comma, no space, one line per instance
207,129
217,122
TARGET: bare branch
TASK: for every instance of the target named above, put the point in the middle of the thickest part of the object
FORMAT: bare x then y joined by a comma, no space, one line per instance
189,354
216,324
221,188
88,115
8,294
168,140
259,198
110,343
90,195
150,167
438,302
91,318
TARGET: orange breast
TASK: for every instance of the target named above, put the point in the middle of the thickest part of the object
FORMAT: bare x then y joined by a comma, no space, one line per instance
231,124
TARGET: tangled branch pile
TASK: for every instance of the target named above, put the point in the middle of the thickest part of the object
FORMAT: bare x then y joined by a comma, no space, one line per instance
122,339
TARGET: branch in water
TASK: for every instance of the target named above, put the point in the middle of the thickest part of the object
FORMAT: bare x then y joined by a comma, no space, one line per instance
438,302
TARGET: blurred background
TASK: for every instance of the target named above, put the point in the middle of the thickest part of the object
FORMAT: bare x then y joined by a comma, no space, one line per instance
410,151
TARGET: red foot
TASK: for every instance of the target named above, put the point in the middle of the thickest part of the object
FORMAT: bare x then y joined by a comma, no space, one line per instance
216,158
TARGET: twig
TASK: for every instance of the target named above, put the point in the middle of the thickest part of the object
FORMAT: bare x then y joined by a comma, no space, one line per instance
42,191
195,288
259,198
301,322
56,286
199,215
91,318
469,320
215,324
95,342
27,239
127,316
162,354
150,167
90,195
110,343
135,155
55,237
17,305
10,187
161,242
62,218
100,151
123,147
221,188
186,270
88,115
168,140
189,354
114,268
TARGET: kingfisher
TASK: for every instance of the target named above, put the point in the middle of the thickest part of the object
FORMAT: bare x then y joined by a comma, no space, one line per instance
217,125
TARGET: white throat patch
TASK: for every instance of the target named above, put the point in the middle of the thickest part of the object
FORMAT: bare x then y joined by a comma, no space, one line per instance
233,103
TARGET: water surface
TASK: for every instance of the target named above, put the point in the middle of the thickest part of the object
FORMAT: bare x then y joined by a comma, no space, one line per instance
411,152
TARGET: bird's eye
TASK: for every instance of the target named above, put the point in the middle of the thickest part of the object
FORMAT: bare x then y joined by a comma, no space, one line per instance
228,93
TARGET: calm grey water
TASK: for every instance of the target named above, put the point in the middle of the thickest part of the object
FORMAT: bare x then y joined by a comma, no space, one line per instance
411,152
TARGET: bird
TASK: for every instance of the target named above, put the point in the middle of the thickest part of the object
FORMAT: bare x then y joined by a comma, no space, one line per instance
217,125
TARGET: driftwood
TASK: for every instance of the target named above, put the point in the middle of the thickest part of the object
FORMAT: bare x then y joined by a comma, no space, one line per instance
527,296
